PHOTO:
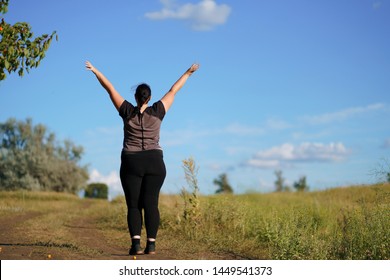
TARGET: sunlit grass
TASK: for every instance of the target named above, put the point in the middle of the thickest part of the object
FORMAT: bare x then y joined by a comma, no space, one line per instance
342,223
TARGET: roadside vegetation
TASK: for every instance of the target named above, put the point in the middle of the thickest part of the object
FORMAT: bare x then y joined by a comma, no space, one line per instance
346,223
343,223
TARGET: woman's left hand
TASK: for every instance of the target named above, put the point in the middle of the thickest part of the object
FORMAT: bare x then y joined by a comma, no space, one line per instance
193,68
89,66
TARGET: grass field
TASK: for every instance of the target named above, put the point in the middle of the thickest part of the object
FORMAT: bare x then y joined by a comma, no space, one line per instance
342,223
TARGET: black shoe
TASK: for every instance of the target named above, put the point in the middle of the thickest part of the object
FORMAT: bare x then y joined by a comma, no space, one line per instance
135,250
135,247
150,248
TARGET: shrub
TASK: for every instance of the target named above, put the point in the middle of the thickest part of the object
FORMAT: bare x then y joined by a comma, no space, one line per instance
31,158
96,190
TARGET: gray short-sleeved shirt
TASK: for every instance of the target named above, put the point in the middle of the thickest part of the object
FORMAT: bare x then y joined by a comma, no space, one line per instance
141,131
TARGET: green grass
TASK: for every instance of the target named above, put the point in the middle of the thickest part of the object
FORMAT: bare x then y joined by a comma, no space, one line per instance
343,223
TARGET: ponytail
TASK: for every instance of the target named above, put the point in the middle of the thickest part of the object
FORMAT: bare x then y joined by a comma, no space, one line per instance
142,94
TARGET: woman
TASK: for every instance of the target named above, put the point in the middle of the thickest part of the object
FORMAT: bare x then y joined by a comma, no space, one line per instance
142,169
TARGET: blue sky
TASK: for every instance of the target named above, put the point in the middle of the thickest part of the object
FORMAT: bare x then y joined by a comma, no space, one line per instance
300,86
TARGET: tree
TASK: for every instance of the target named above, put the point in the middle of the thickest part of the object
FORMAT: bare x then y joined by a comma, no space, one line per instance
223,184
382,171
31,158
301,185
279,183
96,190
18,51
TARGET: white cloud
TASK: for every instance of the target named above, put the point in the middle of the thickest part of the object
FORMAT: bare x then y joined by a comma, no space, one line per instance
286,154
203,16
112,180
263,163
343,114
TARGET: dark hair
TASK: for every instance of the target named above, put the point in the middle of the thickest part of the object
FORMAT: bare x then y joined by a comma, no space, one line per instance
142,94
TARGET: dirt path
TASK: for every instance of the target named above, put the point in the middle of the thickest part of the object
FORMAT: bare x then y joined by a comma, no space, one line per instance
12,243
89,242
78,238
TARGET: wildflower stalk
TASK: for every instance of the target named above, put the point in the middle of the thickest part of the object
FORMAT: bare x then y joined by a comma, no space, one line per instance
191,212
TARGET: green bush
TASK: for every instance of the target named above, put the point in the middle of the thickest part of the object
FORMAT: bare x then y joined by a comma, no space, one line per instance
31,158
96,190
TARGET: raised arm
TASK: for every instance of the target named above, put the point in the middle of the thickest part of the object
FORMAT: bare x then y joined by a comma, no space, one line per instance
116,98
168,98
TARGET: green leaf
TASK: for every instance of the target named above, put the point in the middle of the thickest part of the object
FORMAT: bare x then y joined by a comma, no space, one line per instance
4,6
2,76
18,49
6,63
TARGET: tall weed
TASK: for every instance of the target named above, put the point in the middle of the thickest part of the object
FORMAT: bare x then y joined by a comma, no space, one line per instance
191,210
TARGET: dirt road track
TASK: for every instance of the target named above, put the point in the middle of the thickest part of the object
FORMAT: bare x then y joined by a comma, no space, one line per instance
89,242
73,234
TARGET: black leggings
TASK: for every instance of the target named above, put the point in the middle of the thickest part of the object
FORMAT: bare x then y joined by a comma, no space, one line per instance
142,176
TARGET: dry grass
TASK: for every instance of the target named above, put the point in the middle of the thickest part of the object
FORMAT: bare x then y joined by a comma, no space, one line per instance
343,223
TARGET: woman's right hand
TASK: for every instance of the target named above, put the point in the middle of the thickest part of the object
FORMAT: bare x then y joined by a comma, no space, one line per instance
116,98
